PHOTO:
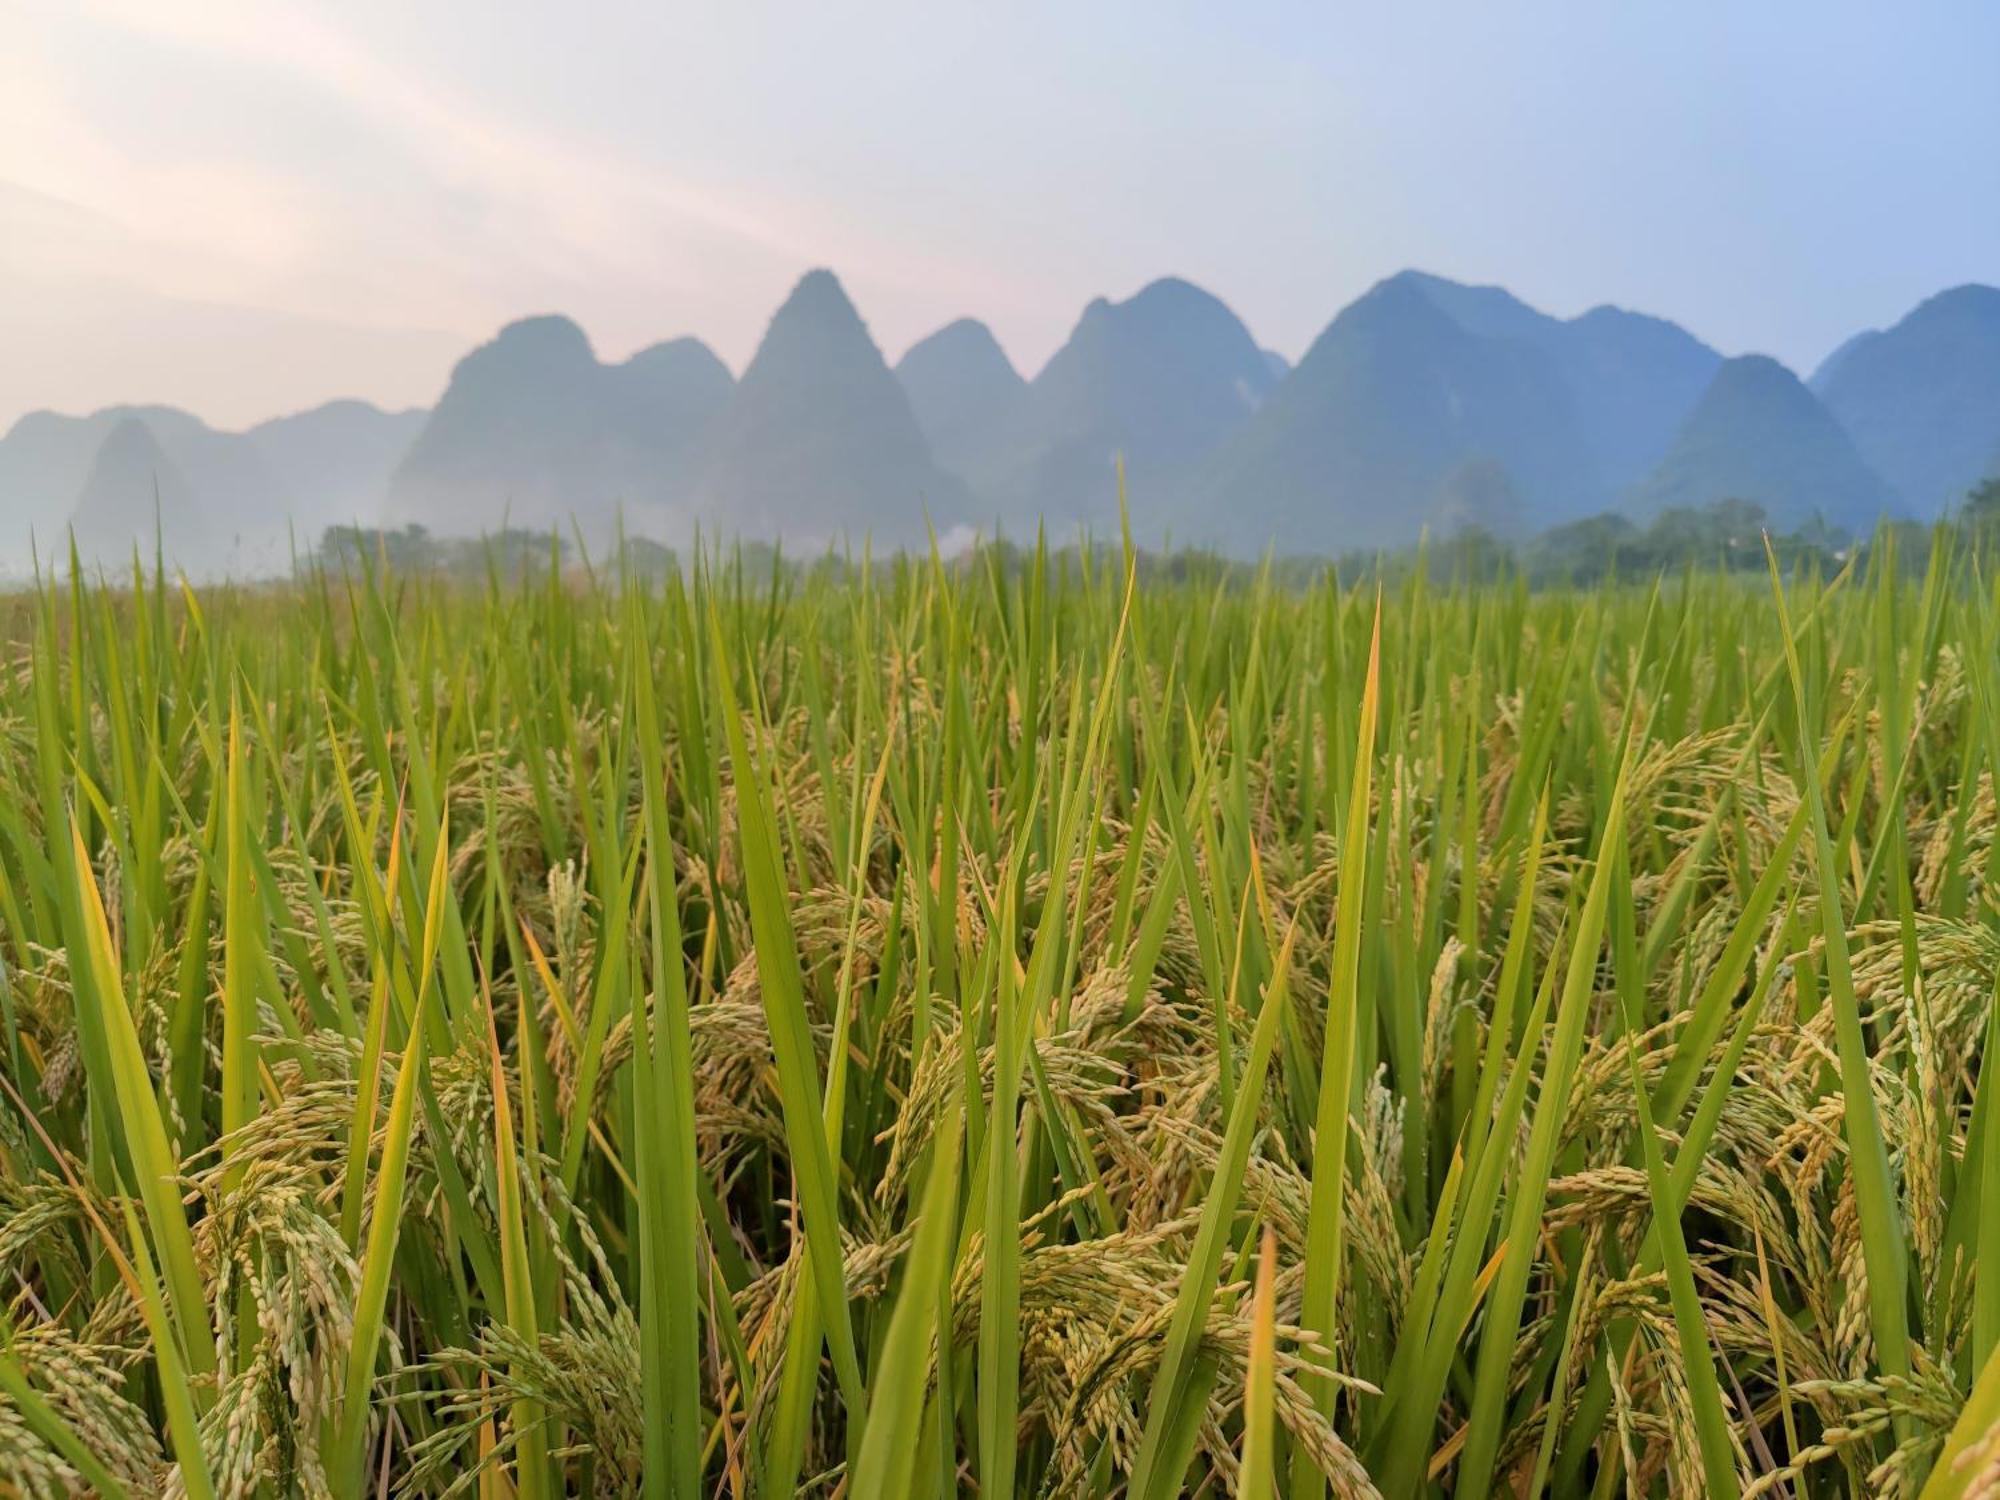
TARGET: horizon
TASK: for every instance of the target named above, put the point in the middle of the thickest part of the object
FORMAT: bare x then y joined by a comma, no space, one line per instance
243,212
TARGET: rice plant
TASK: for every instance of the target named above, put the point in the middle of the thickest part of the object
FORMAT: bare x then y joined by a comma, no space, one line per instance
1031,1024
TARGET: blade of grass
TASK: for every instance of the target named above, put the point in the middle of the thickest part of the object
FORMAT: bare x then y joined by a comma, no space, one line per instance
780,982
1882,1235
1326,1210
345,1452
1258,1480
144,1132
1150,1477
1503,1304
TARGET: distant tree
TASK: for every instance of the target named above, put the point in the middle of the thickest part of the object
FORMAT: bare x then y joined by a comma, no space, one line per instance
404,549
1582,551
1729,534
1470,554
1981,511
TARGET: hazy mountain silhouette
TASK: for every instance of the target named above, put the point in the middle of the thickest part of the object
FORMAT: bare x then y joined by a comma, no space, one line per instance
819,441
1425,402
664,400
334,461
534,431
1160,379
265,490
44,460
1759,434
968,399
46,457
514,430
228,507
134,493
1353,449
1632,377
1847,349
1922,399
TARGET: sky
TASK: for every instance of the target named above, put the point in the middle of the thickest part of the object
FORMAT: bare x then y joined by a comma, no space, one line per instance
244,207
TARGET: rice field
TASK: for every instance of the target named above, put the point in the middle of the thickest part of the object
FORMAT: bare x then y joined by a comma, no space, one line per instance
1020,1026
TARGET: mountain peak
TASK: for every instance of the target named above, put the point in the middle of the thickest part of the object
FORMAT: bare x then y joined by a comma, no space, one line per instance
818,295
968,398
134,492
533,429
1922,397
1399,415
1607,315
1755,374
1758,434
1968,299
817,324
661,404
1157,380
962,339
1174,293
1407,293
130,439
545,336
818,439
676,359
1488,311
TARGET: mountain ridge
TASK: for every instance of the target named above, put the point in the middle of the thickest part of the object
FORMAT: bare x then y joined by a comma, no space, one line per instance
969,401
1424,402
532,426
1157,381
1759,434
1921,398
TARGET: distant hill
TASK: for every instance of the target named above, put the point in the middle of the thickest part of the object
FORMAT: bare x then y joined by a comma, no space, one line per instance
532,428
1847,349
280,483
1161,379
1922,399
44,460
819,442
664,401
335,460
1758,434
223,508
1354,448
515,433
1426,403
134,493
1632,377
968,399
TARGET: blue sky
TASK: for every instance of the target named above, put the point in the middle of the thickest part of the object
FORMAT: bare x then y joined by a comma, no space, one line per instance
245,206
